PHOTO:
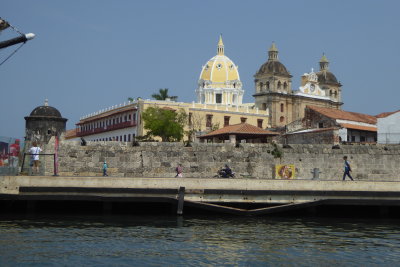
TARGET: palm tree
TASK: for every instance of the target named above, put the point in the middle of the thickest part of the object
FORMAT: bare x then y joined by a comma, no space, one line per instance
162,94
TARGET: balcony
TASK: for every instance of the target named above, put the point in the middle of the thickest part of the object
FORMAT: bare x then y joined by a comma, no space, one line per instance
107,128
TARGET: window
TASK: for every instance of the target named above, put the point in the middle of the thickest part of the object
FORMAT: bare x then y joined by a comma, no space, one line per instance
209,120
362,138
129,137
267,85
264,106
321,125
120,138
285,85
279,85
260,86
259,123
190,119
129,117
353,138
282,107
226,120
218,98
282,119
243,119
116,139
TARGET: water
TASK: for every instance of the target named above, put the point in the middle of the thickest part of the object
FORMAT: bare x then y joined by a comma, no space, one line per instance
198,241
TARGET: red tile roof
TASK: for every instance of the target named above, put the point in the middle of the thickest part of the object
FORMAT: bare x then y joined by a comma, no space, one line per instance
359,127
344,115
385,114
241,128
69,134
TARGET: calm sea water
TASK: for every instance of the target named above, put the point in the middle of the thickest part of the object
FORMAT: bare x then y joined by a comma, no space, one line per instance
198,241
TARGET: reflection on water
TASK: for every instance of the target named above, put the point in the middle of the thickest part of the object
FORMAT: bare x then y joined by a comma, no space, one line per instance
198,241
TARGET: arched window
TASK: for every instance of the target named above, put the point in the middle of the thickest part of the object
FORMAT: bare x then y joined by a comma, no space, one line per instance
330,93
282,119
279,85
282,107
234,85
260,86
285,85
267,85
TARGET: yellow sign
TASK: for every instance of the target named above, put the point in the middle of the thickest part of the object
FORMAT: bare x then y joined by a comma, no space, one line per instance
285,171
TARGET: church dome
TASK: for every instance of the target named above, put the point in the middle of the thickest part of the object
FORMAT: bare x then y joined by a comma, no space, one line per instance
219,81
220,69
326,77
45,111
273,65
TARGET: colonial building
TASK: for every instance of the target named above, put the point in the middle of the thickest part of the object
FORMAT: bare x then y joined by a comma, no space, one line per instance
389,127
219,103
273,90
331,126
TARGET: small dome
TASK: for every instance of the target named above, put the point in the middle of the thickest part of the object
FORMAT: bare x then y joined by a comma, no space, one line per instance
326,77
45,111
273,67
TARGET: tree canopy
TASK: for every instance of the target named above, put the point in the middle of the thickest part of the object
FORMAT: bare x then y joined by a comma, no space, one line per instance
165,123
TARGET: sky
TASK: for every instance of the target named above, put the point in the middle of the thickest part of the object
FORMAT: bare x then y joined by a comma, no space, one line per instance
89,55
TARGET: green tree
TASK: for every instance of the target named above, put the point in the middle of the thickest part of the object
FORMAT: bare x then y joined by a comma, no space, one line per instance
165,123
161,95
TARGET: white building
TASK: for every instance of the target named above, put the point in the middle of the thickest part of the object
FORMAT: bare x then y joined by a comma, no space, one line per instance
389,127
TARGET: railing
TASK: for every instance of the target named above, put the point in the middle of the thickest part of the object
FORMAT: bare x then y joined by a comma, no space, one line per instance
42,166
107,128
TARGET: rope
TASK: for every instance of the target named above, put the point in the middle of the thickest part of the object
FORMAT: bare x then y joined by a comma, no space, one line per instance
12,27
15,51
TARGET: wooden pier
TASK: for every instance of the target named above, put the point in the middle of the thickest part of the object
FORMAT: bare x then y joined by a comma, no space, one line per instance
216,195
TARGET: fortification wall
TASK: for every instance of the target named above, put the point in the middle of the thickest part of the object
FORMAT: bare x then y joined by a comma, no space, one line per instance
369,162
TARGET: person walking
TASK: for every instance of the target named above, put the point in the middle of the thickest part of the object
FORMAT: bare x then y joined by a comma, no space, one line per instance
34,151
105,167
179,171
347,169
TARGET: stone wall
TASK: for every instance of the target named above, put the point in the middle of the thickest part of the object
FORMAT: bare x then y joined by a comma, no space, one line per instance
312,136
369,162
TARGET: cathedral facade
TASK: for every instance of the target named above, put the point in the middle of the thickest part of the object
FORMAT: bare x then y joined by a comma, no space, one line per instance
273,90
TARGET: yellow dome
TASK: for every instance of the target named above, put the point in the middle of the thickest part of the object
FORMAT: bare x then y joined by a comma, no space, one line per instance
219,81
220,69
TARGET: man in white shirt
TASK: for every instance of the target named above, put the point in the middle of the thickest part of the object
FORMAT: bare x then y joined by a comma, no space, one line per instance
34,151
